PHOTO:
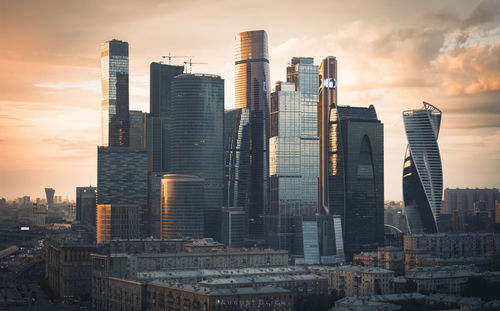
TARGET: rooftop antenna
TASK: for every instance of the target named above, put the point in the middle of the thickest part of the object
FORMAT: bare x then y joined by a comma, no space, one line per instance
191,64
170,56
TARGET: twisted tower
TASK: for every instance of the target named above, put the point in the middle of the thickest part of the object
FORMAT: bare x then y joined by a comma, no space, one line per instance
422,171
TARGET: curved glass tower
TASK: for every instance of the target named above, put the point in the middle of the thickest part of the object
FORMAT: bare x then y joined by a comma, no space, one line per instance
196,122
422,171
252,85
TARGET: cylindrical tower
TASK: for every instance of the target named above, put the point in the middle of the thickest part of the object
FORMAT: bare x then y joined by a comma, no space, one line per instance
181,206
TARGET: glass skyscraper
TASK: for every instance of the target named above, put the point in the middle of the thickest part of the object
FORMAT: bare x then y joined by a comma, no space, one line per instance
161,77
181,202
422,171
137,121
293,156
252,85
122,188
196,122
362,142
115,100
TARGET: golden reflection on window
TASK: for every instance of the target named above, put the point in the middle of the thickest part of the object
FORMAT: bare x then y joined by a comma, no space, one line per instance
332,138
332,164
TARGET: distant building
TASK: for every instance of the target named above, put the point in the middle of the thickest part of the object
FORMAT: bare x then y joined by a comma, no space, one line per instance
366,259
391,258
86,205
466,247
182,203
422,171
137,121
68,269
461,204
115,97
122,190
234,226
359,281
49,192
446,280
39,215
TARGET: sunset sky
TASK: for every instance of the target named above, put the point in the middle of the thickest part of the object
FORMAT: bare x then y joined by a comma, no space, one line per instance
392,54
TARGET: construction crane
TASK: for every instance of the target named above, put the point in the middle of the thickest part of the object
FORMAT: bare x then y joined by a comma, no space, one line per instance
170,56
191,64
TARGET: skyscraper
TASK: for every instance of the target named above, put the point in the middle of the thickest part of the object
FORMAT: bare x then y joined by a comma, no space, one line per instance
161,76
86,205
332,192
137,121
293,156
351,167
122,186
181,206
236,157
196,121
422,171
252,85
49,193
362,142
115,101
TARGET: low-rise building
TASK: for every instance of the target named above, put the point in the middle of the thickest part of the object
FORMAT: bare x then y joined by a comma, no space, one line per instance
164,296
301,284
391,258
68,268
359,280
366,259
454,245
446,280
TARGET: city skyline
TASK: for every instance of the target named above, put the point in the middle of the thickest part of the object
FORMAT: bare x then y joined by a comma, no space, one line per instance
50,93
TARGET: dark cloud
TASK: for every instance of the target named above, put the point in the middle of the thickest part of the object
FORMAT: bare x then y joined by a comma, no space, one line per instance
486,12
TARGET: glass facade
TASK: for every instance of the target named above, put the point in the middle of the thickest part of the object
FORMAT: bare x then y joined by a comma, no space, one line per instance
332,183
236,157
137,121
422,171
122,184
86,205
252,85
181,199
196,122
115,97
363,157
293,155
161,77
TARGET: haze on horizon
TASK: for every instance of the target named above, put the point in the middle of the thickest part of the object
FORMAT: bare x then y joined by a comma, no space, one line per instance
391,54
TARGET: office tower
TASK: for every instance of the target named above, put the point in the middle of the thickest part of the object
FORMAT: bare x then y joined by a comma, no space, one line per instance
234,226
332,193
115,101
154,203
49,192
252,85
293,155
362,139
26,200
236,157
422,172
181,206
196,142
122,186
161,76
137,121
86,205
